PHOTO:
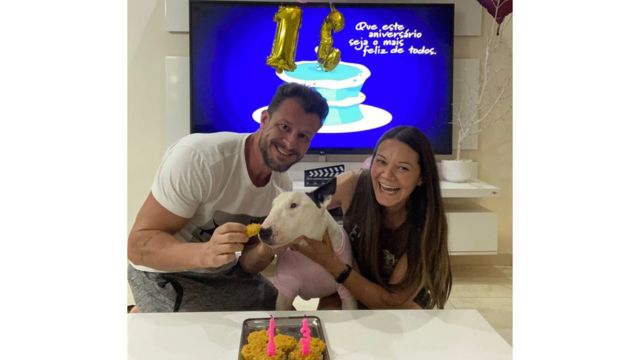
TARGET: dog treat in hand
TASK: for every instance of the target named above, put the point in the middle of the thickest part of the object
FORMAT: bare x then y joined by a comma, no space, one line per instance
252,230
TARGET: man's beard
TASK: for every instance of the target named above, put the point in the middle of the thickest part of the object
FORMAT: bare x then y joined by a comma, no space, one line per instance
271,163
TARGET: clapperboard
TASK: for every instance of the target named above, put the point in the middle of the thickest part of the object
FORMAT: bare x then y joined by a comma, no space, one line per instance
319,176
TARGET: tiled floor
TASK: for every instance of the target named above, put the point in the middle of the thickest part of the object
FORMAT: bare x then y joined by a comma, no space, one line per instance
486,288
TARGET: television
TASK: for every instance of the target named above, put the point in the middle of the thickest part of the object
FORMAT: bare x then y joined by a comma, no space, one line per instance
396,68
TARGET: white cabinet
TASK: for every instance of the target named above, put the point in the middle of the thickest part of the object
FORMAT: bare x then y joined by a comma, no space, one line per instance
473,230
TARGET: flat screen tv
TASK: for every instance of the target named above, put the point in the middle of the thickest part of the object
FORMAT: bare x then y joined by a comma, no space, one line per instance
396,68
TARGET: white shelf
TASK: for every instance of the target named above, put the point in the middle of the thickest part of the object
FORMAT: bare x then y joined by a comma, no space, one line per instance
473,189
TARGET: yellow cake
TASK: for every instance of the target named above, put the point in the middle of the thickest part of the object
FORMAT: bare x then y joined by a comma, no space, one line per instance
316,350
259,352
259,337
256,346
284,342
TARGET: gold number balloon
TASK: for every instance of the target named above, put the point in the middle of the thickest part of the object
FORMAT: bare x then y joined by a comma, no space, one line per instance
328,57
285,41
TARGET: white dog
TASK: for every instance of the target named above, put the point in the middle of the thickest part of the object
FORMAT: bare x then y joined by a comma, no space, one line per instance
295,214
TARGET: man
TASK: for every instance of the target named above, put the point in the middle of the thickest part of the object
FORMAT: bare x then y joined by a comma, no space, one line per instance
182,247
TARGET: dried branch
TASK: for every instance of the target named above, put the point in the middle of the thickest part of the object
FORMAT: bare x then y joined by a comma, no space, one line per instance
481,111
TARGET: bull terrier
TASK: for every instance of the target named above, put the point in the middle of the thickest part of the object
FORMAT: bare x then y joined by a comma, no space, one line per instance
296,214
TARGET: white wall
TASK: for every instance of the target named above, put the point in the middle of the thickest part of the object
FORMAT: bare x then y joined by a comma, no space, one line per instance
148,45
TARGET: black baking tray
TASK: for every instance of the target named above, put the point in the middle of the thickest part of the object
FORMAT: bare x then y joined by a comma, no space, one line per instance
289,325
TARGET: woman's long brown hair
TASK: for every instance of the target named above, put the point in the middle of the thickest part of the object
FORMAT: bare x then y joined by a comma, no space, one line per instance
426,245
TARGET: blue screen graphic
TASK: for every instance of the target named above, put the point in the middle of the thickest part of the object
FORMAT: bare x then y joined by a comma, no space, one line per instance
396,69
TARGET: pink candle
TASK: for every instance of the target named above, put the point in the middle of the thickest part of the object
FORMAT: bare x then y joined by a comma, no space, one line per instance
306,337
272,326
305,346
305,330
271,345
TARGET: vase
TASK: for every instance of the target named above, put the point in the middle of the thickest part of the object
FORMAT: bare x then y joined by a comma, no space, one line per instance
456,170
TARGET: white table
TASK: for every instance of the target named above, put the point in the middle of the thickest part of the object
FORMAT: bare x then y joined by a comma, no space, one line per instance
351,335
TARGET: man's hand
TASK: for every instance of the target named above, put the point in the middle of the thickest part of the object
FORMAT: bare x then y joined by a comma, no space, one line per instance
227,239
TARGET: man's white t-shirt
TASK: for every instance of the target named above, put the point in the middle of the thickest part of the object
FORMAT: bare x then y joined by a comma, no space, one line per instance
204,177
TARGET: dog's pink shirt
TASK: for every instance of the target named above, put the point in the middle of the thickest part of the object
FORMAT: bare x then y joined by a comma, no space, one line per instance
296,274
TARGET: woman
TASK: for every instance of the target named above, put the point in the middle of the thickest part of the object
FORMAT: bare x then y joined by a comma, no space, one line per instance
394,217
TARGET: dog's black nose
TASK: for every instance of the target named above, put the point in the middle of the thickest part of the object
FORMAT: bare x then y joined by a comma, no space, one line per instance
266,235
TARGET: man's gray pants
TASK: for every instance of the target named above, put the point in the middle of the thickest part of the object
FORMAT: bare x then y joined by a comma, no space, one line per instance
229,290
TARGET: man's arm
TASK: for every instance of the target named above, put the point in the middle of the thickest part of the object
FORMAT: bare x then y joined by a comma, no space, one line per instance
256,258
151,241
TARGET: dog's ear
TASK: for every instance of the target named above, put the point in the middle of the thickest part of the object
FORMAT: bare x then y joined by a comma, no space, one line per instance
322,195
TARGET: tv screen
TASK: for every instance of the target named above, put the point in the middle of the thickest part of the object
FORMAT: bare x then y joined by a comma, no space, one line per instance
396,68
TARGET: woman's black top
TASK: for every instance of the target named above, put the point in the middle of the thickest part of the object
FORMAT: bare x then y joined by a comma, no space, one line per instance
393,241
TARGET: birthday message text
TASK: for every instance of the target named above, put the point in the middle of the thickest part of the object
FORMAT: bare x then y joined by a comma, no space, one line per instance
388,39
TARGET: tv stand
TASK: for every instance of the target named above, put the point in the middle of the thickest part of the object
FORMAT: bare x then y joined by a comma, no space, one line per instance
473,229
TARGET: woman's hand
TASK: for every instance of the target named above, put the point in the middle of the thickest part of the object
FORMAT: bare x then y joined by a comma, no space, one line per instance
371,294
320,252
